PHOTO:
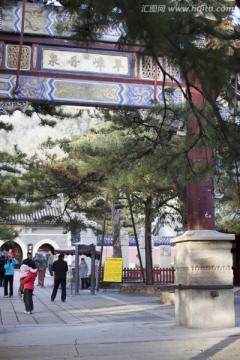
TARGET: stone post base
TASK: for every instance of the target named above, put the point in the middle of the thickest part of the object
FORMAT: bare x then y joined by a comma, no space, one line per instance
204,296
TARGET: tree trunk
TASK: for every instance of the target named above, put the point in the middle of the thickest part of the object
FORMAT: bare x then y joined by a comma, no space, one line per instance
148,241
116,226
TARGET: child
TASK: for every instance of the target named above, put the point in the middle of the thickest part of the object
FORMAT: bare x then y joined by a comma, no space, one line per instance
10,253
28,283
23,271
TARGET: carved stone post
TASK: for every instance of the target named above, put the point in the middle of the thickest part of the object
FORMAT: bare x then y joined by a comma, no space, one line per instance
204,296
125,249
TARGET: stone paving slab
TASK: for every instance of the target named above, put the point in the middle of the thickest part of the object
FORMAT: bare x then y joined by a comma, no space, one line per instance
39,352
217,349
106,326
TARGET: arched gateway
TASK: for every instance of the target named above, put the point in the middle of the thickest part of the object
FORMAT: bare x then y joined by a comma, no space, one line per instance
52,68
35,233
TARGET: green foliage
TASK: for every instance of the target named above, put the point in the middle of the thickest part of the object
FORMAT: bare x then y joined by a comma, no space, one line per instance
7,233
18,190
6,127
4,3
135,156
12,190
202,42
48,113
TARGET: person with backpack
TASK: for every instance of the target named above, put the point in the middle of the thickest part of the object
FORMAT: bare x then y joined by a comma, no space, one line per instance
36,260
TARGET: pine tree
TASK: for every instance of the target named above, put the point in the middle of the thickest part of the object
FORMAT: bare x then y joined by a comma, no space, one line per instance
134,158
16,194
11,189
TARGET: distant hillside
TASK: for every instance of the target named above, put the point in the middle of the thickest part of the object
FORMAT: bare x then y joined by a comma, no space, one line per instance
28,135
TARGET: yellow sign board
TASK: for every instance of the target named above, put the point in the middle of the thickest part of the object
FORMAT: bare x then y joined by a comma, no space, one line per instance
113,270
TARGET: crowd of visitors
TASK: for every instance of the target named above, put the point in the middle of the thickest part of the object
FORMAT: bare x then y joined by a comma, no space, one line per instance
33,267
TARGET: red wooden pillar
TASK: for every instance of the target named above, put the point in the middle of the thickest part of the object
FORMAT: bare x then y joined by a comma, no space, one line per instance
200,196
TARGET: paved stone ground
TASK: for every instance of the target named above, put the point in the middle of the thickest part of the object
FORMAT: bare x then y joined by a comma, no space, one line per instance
107,325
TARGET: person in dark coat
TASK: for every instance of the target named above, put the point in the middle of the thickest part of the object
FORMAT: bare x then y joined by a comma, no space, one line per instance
2,271
9,276
60,269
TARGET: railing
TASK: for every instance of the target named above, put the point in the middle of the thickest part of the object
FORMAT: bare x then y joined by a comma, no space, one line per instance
160,276
163,276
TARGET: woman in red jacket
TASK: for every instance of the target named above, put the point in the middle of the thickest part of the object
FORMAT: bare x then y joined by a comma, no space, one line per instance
28,283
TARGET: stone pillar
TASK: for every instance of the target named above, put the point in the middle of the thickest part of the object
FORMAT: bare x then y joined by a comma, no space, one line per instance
165,256
125,249
204,296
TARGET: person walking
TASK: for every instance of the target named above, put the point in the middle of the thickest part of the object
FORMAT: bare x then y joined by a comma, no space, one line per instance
28,283
42,269
60,269
9,276
36,260
83,273
50,258
2,263
29,256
